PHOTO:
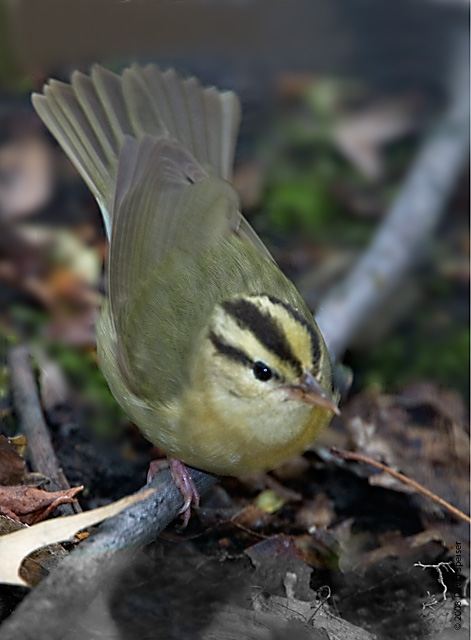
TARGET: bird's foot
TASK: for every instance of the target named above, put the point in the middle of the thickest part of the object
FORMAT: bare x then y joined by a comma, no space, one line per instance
182,479
156,467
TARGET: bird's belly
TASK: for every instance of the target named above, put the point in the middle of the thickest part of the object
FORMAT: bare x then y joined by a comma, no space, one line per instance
215,443
213,436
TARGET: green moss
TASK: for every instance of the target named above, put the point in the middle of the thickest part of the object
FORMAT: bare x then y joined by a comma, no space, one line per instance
307,172
103,413
419,351
100,411
299,204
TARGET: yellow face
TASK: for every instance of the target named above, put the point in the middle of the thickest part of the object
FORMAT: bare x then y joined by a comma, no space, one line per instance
260,388
260,345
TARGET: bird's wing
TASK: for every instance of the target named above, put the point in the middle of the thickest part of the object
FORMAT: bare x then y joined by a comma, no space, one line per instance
157,151
165,205
176,249
91,116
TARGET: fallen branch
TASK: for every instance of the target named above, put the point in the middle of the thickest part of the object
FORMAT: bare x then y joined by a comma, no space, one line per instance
351,455
32,424
73,585
410,222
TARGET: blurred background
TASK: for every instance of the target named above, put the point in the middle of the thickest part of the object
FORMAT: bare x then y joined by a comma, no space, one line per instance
338,98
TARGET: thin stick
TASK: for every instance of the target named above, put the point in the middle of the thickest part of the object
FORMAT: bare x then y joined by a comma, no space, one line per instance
350,455
28,409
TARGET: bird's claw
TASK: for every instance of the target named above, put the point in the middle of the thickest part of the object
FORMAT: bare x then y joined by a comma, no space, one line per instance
184,482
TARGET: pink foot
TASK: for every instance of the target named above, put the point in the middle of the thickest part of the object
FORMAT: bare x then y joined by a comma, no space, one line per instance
183,481
155,467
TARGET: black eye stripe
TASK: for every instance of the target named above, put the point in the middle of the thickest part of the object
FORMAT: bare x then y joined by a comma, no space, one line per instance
265,328
315,343
229,351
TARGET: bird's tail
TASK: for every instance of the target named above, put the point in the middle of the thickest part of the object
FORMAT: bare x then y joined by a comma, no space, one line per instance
91,116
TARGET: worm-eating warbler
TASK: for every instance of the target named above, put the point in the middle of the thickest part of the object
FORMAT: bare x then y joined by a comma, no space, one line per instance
207,346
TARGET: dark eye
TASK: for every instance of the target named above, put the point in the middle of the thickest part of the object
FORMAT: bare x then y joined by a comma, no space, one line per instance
261,371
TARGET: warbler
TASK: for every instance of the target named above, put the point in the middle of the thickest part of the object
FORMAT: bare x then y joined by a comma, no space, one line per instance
206,345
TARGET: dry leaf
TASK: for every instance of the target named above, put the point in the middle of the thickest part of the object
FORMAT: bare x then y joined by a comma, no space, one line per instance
30,505
32,567
418,432
251,517
19,443
360,137
26,169
316,514
81,260
320,548
77,330
297,604
15,547
393,544
421,433
248,182
280,546
12,465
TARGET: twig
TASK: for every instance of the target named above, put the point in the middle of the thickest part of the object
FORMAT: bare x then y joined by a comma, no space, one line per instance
28,409
437,567
410,222
53,605
350,455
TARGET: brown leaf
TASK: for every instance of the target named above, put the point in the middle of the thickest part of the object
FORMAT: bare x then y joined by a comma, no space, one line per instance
12,465
26,168
420,433
316,514
16,546
19,443
248,181
361,137
251,517
393,544
281,546
284,593
77,330
447,404
320,549
30,505
424,439
293,86
257,482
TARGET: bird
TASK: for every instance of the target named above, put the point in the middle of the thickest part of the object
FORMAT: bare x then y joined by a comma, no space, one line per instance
204,342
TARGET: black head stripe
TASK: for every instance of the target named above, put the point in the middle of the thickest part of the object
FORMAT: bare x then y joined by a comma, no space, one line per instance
315,343
264,327
229,351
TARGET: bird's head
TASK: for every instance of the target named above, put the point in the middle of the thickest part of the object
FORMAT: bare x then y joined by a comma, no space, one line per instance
262,352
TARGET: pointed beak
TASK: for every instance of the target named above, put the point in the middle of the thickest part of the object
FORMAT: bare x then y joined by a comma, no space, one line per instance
310,391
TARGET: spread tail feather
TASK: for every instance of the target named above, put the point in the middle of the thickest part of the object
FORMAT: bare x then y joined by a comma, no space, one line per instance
91,116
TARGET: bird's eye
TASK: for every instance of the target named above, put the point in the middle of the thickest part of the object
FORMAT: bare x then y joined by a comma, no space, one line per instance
261,371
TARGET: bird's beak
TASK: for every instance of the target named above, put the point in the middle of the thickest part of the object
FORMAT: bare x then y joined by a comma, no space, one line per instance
310,391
